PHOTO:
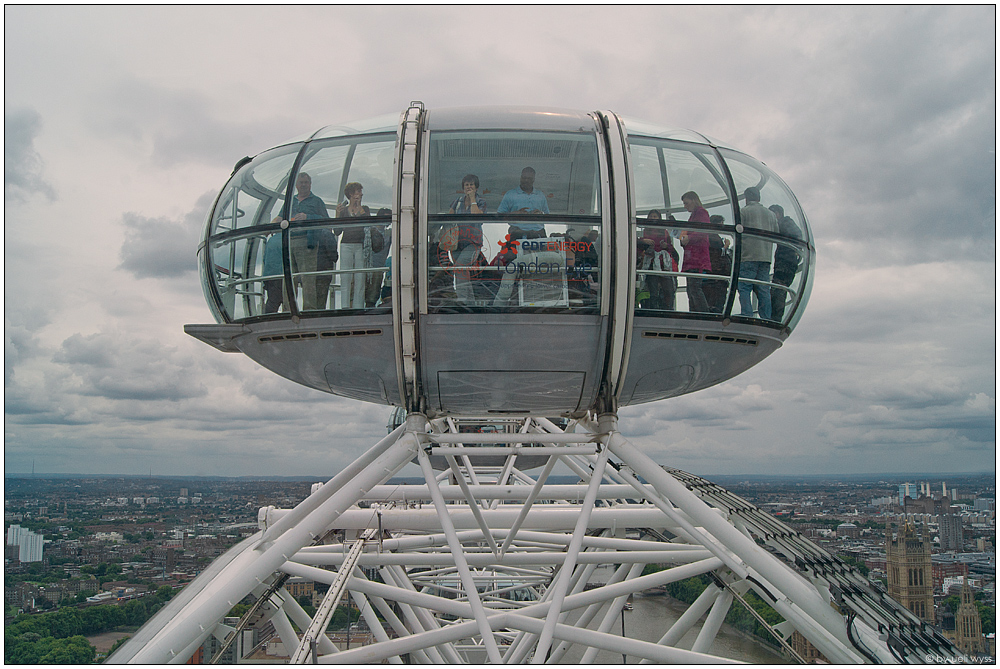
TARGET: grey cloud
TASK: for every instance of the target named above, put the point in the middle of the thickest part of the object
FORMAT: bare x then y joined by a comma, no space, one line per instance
725,407
22,164
920,390
117,368
160,247
971,421
177,126
901,128
19,345
881,120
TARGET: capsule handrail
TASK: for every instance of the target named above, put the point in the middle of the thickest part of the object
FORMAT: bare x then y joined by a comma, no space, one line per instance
265,230
323,272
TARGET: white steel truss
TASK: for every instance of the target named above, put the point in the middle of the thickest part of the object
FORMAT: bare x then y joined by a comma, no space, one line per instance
486,561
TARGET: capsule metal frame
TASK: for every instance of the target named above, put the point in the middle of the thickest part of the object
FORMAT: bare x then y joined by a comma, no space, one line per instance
565,356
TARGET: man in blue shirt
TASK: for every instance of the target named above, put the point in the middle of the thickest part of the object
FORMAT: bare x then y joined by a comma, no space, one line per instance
525,200
312,250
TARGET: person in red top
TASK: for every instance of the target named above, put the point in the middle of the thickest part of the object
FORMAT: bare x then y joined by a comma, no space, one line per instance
696,257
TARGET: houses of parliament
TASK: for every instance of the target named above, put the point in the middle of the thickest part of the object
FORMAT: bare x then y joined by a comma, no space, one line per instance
908,565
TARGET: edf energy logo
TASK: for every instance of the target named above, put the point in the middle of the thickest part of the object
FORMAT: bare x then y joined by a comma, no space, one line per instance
512,247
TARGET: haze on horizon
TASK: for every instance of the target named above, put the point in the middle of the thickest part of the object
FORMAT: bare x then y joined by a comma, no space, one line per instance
881,119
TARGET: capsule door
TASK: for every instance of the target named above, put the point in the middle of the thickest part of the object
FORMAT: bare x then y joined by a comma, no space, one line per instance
512,311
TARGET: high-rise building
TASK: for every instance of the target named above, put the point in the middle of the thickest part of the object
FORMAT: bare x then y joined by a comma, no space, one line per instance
968,625
28,543
950,531
14,533
908,563
31,547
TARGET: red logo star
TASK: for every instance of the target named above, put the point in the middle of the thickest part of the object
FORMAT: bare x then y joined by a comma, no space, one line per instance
509,245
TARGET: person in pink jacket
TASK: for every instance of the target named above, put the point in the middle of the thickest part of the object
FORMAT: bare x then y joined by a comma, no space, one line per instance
696,257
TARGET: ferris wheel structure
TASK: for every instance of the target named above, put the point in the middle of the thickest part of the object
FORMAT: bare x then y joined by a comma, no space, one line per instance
508,278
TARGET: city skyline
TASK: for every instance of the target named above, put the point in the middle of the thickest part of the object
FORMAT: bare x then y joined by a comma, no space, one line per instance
116,142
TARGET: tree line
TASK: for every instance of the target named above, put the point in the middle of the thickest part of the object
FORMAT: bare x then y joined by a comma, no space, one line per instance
738,617
59,637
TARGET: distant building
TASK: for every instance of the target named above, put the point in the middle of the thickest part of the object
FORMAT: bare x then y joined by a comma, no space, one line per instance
14,533
111,537
806,650
968,625
848,531
984,504
297,586
947,571
950,531
932,506
31,547
908,565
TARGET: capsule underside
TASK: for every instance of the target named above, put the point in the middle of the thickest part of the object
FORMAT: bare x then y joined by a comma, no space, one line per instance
557,291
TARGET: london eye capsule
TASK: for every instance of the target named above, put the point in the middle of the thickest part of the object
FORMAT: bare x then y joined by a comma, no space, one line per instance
504,260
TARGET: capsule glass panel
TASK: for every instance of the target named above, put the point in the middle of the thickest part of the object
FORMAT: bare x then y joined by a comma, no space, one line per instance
244,217
663,171
680,268
351,182
661,286
514,221
774,261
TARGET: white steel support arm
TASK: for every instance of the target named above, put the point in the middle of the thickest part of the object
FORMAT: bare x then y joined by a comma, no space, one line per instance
589,614
562,584
426,621
713,622
614,610
687,620
526,507
460,563
471,500
250,567
752,555
374,624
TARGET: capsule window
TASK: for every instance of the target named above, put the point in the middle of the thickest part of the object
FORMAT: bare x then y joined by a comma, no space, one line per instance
664,171
775,255
514,221
337,254
681,269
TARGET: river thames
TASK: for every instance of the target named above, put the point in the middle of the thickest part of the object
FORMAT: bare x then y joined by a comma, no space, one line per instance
653,614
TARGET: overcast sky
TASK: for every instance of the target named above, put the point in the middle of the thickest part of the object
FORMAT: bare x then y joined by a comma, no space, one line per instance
122,123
